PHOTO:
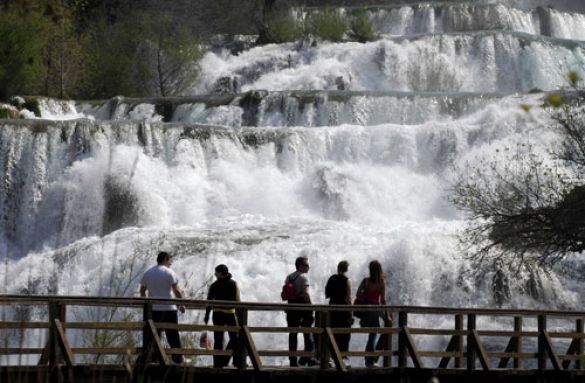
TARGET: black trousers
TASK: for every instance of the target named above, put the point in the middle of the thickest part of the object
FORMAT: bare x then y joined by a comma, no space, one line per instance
172,335
341,319
299,319
224,319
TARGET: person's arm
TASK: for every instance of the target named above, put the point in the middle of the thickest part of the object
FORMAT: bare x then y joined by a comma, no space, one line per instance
348,298
178,294
143,291
305,293
387,314
237,292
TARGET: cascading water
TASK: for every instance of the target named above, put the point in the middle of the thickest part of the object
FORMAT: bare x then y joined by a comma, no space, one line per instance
339,151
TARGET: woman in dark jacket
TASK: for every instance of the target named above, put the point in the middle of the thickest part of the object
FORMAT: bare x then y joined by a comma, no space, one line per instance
223,289
338,290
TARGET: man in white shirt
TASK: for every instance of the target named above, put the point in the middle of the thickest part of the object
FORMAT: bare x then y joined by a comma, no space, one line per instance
161,282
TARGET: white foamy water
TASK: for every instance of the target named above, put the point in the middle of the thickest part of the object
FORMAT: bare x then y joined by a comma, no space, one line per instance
477,62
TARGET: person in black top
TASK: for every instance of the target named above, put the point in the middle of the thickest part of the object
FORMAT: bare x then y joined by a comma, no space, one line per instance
223,289
338,290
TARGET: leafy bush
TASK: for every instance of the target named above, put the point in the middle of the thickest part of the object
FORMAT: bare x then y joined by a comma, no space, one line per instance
283,29
329,25
361,28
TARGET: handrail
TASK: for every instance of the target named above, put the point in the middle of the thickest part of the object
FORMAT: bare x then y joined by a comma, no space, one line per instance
465,348
138,302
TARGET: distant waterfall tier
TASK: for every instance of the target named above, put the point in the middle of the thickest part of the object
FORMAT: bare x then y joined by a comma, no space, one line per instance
441,17
285,108
461,62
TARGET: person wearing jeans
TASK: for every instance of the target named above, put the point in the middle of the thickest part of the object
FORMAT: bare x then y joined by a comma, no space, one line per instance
300,318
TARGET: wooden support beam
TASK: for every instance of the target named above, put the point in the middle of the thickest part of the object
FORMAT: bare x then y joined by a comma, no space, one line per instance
514,346
541,341
64,344
334,351
572,350
452,346
410,345
458,341
156,344
480,351
551,352
402,350
324,346
579,327
471,356
518,364
251,347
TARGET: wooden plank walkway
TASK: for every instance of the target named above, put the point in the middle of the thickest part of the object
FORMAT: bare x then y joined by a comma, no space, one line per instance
488,345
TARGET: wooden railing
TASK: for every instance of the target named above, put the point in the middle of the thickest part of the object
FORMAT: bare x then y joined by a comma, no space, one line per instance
529,344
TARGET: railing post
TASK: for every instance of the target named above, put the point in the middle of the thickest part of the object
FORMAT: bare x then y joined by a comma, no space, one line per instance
402,348
579,329
146,334
240,349
57,311
541,342
459,341
518,364
388,358
471,353
324,323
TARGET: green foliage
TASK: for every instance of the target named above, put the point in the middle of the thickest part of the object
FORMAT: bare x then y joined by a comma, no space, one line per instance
328,25
283,28
361,28
167,56
22,38
526,207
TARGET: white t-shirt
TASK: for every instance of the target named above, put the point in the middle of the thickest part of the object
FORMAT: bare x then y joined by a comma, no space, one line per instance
159,280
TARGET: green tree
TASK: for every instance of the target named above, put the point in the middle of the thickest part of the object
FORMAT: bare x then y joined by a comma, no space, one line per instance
22,38
167,57
526,209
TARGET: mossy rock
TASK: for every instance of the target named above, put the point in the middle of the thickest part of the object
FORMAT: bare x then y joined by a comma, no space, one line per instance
8,113
33,104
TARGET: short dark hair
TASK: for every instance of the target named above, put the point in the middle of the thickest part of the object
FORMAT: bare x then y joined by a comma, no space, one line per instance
162,256
343,266
222,269
301,261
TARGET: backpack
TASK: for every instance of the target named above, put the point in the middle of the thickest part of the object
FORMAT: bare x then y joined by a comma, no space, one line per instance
289,291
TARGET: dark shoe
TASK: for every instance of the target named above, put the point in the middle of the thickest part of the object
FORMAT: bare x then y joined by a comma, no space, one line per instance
308,362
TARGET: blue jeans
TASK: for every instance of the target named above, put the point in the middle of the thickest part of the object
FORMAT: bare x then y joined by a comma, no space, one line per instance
371,319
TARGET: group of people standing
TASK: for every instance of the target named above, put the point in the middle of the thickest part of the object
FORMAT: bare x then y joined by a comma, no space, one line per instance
371,291
160,281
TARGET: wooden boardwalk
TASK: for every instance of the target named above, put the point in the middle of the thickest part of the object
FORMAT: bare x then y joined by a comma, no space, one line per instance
461,345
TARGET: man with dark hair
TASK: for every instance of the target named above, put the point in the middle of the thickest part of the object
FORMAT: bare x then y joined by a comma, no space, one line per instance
338,290
161,282
295,318
223,289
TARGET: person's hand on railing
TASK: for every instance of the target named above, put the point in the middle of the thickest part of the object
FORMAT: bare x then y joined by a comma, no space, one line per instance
182,309
388,319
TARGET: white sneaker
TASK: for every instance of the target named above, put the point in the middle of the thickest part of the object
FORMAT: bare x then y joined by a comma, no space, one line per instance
346,361
371,365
